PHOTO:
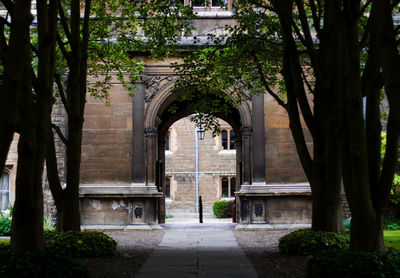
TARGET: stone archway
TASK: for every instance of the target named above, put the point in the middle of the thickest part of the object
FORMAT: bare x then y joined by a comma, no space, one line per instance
157,121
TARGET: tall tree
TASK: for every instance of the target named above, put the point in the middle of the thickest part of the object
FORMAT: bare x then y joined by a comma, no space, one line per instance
319,50
29,108
96,45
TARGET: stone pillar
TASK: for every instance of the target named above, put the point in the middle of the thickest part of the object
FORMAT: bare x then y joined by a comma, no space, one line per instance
161,158
246,154
258,139
151,155
239,173
138,154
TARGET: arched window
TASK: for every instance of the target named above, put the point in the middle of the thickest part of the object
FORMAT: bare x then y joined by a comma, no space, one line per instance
4,190
224,139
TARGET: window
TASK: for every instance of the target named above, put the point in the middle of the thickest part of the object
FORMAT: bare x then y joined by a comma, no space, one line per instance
218,3
198,3
228,140
228,187
225,187
232,137
167,147
233,186
167,187
177,2
4,190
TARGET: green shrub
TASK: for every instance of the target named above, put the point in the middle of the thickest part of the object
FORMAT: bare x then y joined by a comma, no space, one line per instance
5,225
46,264
345,263
222,209
308,242
80,244
392,224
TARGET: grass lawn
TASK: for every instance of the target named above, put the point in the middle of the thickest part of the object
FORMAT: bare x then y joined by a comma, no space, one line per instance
392,239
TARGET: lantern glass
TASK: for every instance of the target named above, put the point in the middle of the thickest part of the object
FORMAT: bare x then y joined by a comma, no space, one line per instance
200,133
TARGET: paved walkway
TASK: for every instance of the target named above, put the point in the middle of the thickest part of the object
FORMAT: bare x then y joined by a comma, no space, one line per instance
197,250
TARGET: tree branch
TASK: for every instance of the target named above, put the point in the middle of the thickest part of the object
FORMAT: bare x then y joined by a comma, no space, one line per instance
9,5
60,134
52,172
62,95
64,51
266,86
64,22
316,17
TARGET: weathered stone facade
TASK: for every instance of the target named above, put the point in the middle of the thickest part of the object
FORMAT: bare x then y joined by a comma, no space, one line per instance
125,164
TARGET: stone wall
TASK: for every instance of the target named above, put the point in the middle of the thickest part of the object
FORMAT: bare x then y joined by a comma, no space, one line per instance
282,162
214,163
107,139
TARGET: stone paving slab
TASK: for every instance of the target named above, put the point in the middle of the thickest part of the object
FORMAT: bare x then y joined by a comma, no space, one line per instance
197,250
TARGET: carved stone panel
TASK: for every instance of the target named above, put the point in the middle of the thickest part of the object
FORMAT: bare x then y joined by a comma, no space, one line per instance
155,84
138,212
258,209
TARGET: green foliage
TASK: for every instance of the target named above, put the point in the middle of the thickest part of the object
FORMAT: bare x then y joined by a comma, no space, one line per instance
4,245
392,239
308,242
346,223
6,219
222,209
225,70
344,263
395,190
123,26
80,244
48,224
5,225
40,265
392,224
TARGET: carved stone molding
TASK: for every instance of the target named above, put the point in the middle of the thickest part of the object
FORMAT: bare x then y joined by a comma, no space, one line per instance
245,130
150,131
155,84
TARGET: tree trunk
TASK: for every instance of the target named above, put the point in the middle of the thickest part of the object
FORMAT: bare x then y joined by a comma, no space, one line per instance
27,221
323,169
14,60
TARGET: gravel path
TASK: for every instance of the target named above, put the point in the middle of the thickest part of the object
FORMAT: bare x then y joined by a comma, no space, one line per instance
134,248
261,248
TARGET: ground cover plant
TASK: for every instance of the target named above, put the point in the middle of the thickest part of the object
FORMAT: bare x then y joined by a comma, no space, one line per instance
308,242
80,244
58,258
345,263
47,263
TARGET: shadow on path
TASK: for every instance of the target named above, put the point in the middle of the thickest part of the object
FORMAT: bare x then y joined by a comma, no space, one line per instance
197,250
